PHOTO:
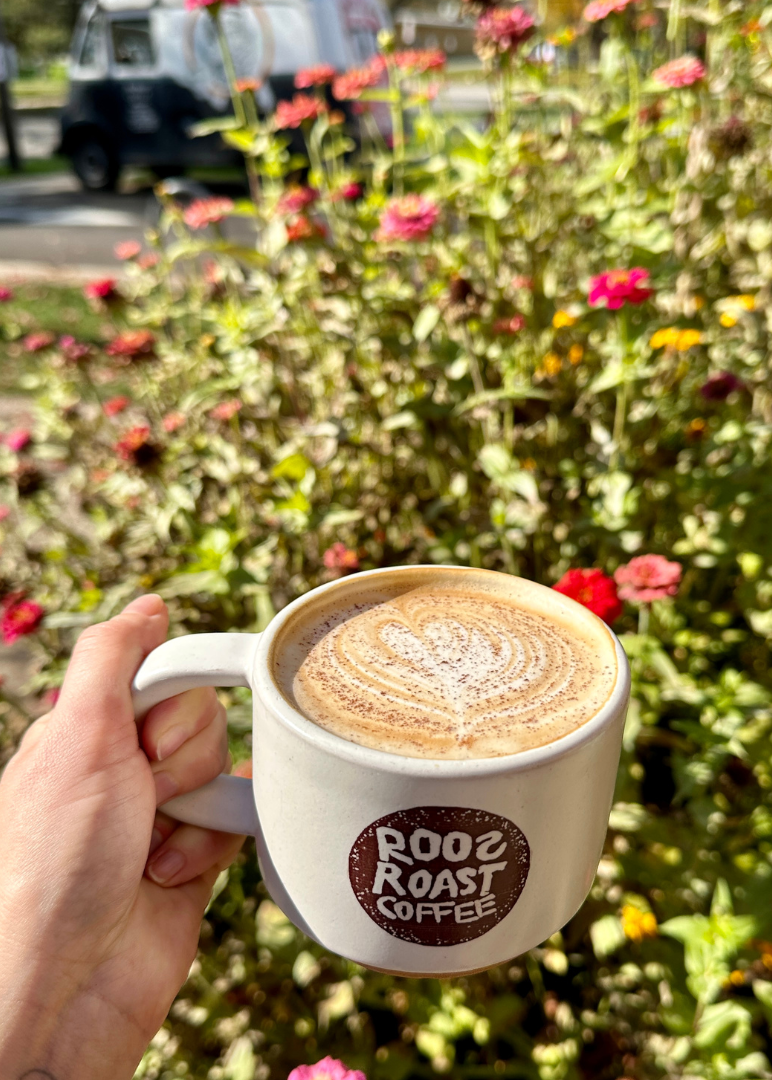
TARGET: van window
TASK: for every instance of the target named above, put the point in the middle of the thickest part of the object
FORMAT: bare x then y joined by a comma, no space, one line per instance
132,44
91,53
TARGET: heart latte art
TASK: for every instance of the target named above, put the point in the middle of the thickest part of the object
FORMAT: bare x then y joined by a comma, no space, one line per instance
448,672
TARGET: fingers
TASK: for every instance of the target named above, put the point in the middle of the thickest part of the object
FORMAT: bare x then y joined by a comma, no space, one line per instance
188,852
172,722
96,693
200,759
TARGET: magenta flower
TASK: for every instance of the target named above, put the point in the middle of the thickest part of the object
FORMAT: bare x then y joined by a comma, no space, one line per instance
409,217
620,287
72,350
4,511
5,295
296,198
327,1069
349,192
681,72
503,29
17,439
37,341
104,289
648,577
600,9
20,617
718,387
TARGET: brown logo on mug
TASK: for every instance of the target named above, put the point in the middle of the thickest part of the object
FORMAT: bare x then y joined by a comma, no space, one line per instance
439,875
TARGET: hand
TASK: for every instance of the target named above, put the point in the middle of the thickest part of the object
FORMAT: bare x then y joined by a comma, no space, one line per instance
101,896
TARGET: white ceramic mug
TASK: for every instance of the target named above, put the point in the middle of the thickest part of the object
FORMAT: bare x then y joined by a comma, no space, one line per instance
500,852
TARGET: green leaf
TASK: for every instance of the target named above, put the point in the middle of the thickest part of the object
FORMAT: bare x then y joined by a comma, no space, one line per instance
607,935
213,124
426,322
725,1024
202,581
293,467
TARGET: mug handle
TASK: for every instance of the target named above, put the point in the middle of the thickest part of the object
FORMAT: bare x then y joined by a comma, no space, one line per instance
227,802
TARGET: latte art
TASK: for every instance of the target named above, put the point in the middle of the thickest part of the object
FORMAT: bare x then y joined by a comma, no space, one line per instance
443,671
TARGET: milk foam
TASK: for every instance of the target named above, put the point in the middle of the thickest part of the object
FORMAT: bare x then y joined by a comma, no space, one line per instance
438,664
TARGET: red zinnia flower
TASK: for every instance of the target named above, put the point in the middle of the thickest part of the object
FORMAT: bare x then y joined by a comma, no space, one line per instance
203,212
20,617
132,344
319,75
594,590
680,72
127,249
512,325
349,192
352,83
136,446
115,405
718,387
620,287
420,60
226,409
173,420
296,199
409,217
303,228
503,29
104,289
648,577
17,439
5,294
339,557
291,114
37,341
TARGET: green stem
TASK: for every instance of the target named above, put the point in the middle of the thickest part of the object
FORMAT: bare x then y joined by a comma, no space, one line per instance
673,20
643,619
230,71
634,105
397,128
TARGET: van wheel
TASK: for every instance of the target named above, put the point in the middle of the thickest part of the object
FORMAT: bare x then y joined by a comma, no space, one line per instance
95,164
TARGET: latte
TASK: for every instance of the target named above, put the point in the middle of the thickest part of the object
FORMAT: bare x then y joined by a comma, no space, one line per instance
445,663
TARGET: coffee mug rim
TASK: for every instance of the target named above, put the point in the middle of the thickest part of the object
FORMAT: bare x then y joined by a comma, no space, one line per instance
384,761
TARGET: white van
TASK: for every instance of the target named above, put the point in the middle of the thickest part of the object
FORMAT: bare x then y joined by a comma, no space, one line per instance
143,72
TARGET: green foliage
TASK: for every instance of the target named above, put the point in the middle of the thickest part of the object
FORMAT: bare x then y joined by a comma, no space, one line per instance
315,404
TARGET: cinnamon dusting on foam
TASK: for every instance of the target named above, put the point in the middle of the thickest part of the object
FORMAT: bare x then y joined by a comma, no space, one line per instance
440,670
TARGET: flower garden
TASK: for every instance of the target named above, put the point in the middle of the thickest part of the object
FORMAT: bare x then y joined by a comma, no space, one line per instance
538,344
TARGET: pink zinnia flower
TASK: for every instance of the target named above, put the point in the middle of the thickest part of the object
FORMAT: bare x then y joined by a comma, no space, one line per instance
104,289
173,420
352,83
226,409
512,325
4,511
319,75
339,557
127,249
327,1069
648,577
73,350
203,212
5,294
37,341
148,260
132,344
20,617
599,9
115,405
349,192
296,198
409,217
17,439
420,60
620,287
681,72
594,590
291,114
503,29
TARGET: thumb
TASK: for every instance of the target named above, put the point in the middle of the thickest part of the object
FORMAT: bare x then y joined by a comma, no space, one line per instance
95,701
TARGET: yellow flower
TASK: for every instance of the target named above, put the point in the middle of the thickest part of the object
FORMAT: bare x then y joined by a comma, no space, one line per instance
638,924
696,426
561,319
529,464
699,302
687,338
575,353
736,978
745,301
667,336
552,363
727,320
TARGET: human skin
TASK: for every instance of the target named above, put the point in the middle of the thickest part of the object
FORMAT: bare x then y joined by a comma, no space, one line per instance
98,925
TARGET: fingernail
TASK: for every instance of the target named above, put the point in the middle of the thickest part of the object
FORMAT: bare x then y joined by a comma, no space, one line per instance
150,604
156,840
170,741
166,866
165,787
